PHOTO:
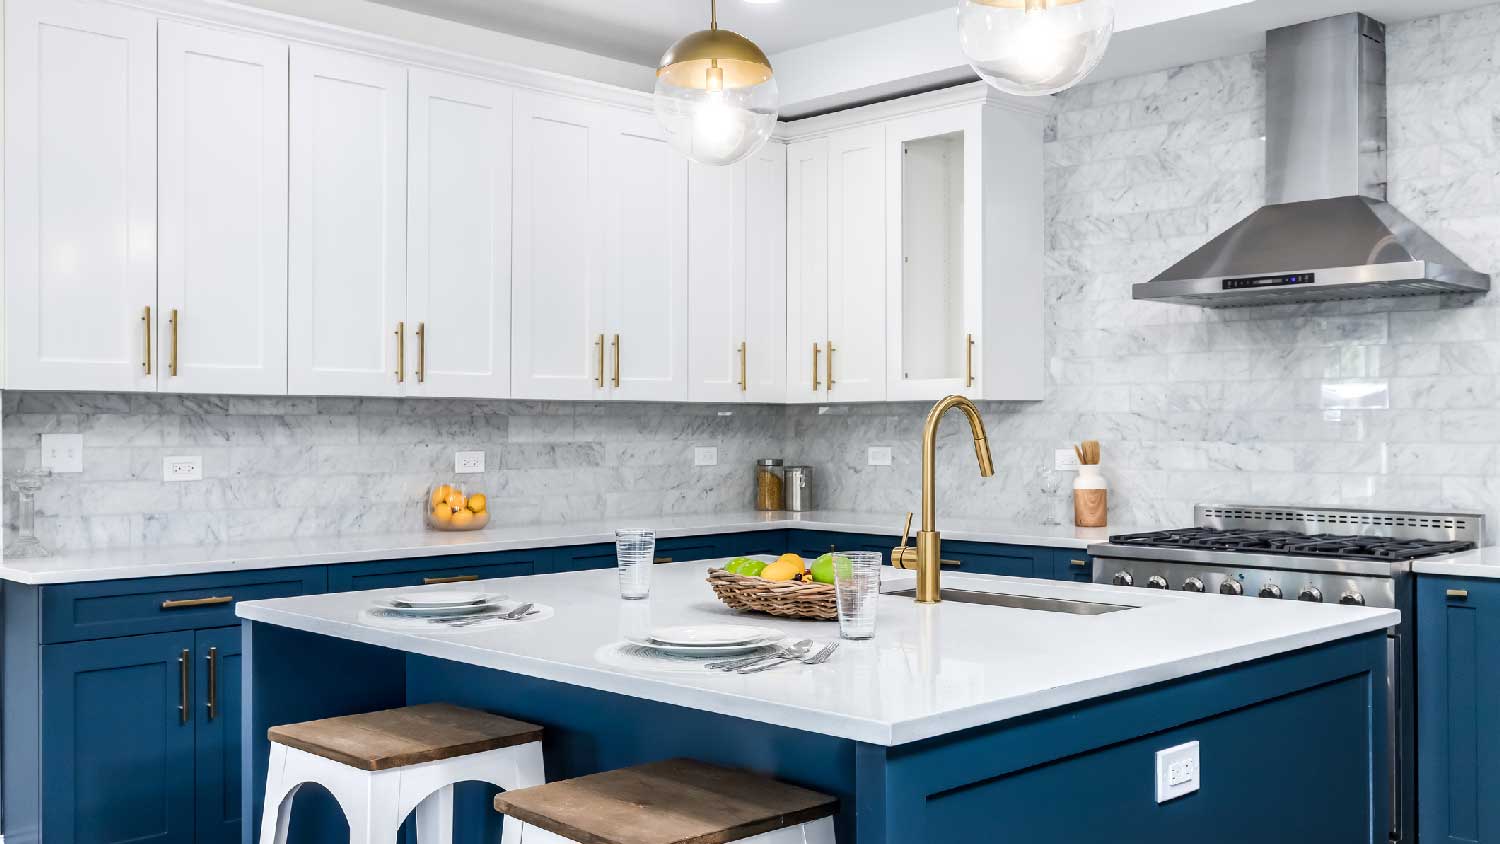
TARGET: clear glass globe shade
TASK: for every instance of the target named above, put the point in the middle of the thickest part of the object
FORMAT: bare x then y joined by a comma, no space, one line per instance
716,127
1033,48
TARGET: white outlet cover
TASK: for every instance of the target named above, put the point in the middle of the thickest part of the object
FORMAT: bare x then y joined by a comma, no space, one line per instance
468,462
1178,771
706,455
878,455
62,452
1065,460
175,469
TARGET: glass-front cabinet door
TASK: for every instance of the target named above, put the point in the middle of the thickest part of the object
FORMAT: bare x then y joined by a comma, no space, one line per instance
933,280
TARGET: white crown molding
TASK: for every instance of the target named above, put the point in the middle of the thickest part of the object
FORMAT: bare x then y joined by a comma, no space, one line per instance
971,93
235,16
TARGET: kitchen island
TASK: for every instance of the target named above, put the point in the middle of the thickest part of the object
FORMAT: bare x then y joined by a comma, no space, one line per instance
957,720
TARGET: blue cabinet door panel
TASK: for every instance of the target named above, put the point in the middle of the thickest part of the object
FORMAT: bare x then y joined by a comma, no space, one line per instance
1458,710
986,558
354,577
117,759
682,549
1074,565
582,557
811,544
217,731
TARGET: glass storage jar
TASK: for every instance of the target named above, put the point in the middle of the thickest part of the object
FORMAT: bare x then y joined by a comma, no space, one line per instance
770,484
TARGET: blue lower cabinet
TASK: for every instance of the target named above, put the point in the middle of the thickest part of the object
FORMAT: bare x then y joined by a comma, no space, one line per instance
216,719
1074,565
118,741
1458,710
683,549
582,558
986,558
354,577
811,544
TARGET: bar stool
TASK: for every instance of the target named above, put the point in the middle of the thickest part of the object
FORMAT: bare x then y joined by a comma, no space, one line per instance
381,766
670,802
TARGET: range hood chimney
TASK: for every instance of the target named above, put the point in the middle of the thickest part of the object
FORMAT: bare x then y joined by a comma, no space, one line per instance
1327,231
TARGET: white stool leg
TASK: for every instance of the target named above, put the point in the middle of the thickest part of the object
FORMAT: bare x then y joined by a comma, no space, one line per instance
528,834
526,770
377,821
276,815
819,831
435,817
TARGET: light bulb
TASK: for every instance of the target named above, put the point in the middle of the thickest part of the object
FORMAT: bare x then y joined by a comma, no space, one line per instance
1034,47
715,95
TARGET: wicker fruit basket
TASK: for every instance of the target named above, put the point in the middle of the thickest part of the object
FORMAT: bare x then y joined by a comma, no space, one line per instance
790,598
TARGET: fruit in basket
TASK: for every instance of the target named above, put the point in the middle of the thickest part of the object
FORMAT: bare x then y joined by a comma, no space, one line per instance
457,500
786,567
442,514
462,518
476,503
440,495
745,566
822,567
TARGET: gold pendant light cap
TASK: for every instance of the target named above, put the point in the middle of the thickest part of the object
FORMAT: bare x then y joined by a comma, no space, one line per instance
687,63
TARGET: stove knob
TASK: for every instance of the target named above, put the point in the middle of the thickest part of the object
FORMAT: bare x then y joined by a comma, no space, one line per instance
1352,599
1231,587
1123,578
1270,590
1311,594
1192,584
1156,581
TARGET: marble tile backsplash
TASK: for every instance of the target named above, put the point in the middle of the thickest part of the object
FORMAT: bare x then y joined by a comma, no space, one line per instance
1379,403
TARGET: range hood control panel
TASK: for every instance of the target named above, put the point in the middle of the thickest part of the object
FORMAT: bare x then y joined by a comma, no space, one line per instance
1283,280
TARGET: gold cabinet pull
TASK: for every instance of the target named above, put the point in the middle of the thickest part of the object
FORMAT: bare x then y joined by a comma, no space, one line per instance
1079,563
182,687
831,350
184,603
660,560
953,564
213,683
744,382
969,362
146,319
816,353
454,578
615,344
172,364
1458,594
421,352
599,347
401,352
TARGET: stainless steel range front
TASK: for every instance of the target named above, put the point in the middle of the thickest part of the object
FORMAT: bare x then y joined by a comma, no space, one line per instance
1323,555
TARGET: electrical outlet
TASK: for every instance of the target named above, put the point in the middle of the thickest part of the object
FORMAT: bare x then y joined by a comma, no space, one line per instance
1065,460
878,455
468,462
706,455
1178,771
182,468
62,452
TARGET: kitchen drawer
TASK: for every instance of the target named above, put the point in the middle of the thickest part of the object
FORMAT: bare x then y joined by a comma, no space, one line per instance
583,557
355,577
987,558
812,544
682,549
1072,564
752,542
79,611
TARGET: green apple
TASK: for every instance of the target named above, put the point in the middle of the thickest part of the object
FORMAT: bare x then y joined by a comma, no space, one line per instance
822,567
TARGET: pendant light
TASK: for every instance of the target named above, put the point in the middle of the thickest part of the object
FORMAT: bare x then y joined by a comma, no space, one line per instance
1034,47
716,95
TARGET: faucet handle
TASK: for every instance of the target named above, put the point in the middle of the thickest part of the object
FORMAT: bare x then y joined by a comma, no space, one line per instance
903,557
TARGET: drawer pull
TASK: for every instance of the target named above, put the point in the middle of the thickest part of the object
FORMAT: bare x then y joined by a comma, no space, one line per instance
213,683
456,578
660,560
182,687
185,603
953,564
1079,563
1458,594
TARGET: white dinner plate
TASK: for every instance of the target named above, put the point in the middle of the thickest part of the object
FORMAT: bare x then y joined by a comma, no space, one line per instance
703,650
714,635
440,598
396,609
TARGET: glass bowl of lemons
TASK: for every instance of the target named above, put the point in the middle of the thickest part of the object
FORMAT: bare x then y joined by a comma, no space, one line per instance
452,507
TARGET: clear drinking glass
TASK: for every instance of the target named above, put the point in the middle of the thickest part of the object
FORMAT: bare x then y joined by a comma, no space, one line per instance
856,583
635,552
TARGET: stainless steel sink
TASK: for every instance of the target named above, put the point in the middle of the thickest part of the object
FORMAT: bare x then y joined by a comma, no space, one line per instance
1023,602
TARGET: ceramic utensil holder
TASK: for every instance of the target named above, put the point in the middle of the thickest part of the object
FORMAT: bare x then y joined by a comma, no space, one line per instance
1090,498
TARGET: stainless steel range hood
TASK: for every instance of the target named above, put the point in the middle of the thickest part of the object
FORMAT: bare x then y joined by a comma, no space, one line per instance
1327,232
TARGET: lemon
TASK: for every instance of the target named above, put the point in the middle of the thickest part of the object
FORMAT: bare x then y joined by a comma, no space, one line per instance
440,494
456,500
463,518
476,502
442,514
786,567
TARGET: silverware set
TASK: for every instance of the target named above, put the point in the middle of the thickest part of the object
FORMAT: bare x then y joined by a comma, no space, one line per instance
509,615
800,651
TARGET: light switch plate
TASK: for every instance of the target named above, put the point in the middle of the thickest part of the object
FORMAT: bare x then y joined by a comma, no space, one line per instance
1178,771
879,455
182,468
468,462
62,452
1065,460
706,455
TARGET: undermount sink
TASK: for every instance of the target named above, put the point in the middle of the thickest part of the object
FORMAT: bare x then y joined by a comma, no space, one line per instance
1023,602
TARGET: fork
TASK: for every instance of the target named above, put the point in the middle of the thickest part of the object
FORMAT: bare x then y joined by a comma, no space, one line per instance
821,656
816,659
795,650
509,615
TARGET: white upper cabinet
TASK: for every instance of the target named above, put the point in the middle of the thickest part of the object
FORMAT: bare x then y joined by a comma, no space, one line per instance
459,228
737,279
557,343
646,261
854,351
806,269
348,225
80,181
222,284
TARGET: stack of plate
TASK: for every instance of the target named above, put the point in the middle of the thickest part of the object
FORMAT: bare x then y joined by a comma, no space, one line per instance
439,604
708,639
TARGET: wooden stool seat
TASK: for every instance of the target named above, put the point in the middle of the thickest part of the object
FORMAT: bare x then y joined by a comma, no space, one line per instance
395,738
678,801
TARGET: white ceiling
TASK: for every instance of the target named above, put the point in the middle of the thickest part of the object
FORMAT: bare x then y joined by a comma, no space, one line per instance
641,30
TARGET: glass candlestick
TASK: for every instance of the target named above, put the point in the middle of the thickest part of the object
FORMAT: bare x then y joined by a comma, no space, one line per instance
26,483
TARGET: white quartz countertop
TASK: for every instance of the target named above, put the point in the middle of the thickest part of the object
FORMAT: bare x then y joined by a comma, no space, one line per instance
930,670
1481,562
249,556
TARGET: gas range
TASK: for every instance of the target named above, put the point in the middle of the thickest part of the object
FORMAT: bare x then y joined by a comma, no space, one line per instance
1322,555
